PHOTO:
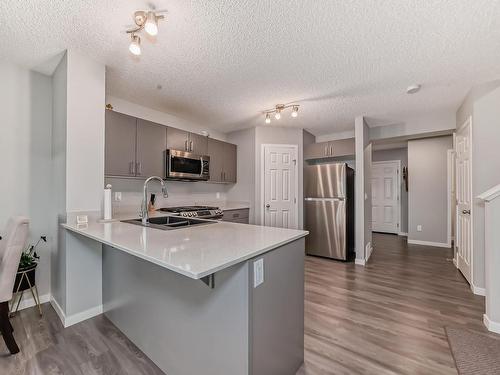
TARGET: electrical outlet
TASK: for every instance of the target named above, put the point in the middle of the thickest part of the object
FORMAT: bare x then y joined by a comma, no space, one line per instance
118,196
258,272
419,228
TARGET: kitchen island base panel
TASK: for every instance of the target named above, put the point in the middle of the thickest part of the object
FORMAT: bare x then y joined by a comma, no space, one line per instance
187,328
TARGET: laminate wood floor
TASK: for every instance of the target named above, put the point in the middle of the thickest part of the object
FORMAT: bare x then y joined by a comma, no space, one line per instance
385,318
389,316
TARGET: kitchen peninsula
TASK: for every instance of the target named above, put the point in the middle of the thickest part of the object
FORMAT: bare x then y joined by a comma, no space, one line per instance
218,298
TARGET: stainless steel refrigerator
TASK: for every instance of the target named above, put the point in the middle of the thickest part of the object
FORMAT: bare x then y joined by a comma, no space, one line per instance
329,210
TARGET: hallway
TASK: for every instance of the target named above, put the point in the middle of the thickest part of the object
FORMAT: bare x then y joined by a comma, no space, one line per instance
388,317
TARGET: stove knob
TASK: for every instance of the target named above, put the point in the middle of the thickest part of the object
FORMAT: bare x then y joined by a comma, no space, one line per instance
190,214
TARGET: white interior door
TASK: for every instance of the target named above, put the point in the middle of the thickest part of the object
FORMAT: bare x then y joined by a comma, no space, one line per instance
385,196
280,186
464,197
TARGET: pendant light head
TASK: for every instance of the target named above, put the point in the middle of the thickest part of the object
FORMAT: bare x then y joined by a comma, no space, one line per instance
277,115
295,111
151,25
135,45
268,118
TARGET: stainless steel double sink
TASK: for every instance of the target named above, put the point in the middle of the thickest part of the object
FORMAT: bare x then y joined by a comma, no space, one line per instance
169,222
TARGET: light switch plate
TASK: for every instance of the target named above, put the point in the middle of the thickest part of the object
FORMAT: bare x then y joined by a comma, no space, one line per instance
118,196
419,228
258,272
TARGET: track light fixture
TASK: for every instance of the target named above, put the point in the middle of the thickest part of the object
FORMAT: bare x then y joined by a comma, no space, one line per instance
278,109
144,20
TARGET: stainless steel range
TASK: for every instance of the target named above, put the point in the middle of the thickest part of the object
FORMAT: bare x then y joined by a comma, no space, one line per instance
203,212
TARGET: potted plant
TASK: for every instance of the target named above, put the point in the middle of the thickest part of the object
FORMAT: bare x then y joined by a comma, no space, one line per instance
25,277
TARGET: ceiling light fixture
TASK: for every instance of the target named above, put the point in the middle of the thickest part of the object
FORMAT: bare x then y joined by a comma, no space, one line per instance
147,21
413,89
135,45
278,109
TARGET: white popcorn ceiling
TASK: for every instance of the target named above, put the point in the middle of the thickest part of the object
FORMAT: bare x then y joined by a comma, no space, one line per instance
221,62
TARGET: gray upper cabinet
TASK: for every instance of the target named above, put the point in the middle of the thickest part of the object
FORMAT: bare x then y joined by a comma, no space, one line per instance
223,161
338,148
177,139
216,153
120,137
151,145
198,144
184,141
230,162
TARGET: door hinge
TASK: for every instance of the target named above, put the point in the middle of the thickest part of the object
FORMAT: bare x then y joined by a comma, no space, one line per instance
294,161
294,200
398,225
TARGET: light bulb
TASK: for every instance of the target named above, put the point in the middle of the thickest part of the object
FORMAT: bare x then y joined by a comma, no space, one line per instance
277,116
295,111
151,25
268,118
135,45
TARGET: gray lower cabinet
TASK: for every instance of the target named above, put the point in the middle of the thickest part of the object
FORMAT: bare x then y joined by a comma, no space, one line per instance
223,161
338,148
151,146
185,141
120,142
236,216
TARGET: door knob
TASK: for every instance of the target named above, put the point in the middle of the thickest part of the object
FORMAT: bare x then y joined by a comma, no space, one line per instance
268,205
466,212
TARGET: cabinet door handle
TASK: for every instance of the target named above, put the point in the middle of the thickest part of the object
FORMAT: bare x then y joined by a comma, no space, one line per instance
191,146
131,168
326,150
186,145
221,176
331,150
139,168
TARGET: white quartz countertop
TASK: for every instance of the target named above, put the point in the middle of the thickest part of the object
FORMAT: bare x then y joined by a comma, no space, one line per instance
196,251
228,206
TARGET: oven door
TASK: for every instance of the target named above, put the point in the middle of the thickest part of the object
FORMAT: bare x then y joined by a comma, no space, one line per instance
183,165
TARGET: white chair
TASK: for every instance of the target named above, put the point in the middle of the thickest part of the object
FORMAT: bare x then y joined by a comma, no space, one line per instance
11,247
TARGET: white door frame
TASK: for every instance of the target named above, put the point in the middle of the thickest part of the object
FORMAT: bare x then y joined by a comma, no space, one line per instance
399,189
468,121
450,182
263,181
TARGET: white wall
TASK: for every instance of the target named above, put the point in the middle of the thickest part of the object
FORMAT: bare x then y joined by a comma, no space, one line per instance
428,189
400,154
25,151
483,104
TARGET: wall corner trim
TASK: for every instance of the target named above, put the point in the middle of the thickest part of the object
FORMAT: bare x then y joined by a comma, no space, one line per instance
477,290
75,318
491,325
429,243
360,262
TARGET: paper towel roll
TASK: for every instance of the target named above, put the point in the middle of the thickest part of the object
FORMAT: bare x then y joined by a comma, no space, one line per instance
107,203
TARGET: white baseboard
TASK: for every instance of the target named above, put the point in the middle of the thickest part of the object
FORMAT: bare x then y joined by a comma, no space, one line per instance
455,263
492,326
360,262
28,300
478,291
429,243
75,318
403,234
368,250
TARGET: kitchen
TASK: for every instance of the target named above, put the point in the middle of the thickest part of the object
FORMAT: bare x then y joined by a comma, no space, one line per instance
191,182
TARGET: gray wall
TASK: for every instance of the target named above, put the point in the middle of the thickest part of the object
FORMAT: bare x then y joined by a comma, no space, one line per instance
25,151
363,203
427,190
483,104
402,155
244,189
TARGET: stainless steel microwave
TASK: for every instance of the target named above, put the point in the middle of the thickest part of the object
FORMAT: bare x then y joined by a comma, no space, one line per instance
183,165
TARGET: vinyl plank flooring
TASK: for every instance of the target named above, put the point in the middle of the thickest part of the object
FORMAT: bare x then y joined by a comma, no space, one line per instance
385,318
